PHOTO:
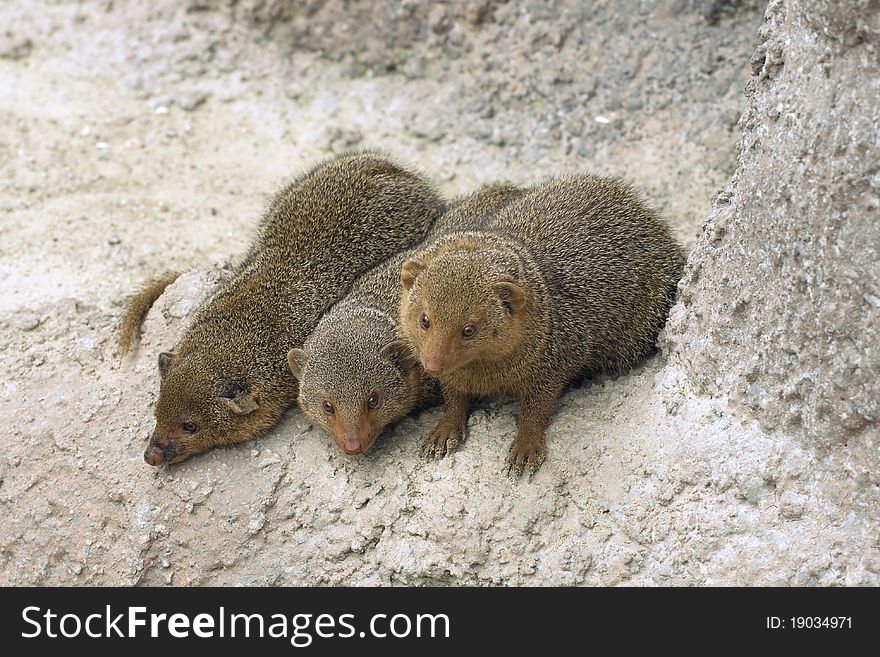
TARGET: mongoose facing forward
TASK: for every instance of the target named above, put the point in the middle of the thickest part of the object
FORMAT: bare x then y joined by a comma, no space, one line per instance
355,375
575,277
228,381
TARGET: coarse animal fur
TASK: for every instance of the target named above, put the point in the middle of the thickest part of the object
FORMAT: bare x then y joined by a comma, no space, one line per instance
137,309
227,381
356,375
575,277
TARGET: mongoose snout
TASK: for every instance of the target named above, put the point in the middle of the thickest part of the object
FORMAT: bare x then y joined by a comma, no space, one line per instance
441,353
163,447
354,430
355,437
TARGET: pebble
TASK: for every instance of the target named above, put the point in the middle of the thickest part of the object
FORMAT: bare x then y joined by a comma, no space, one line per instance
190,100
339,138
15,48
28,322
256,523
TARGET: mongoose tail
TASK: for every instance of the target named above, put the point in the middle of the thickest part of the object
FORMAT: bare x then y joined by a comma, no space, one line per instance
138,307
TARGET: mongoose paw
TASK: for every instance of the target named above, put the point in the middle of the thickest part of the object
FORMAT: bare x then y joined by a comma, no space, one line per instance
523,454
443,440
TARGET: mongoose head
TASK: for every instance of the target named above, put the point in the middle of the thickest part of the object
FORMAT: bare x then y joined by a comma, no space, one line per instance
199,409
354,381
461,305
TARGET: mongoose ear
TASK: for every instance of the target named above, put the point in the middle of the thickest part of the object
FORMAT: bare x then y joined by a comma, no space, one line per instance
399,353
410,272
237,396
165,360
512,295
296,360
243,404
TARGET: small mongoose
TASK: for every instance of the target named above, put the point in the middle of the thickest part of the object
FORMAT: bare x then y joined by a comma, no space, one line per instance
227,380
575,277
355,375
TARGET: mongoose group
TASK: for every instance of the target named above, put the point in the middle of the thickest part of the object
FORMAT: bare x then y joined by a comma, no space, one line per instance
365,297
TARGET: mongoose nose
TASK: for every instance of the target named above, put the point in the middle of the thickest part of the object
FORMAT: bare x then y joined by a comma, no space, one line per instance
160,451
153,456
433,367
352,445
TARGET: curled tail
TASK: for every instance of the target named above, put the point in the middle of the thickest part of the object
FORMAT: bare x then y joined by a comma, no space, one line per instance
138,306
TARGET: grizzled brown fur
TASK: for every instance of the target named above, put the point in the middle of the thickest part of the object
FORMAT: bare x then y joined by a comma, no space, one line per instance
137,309
356,376
575,277
228,381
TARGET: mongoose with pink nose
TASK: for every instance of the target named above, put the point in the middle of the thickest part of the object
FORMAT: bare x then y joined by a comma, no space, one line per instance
228,381
575,277
356,376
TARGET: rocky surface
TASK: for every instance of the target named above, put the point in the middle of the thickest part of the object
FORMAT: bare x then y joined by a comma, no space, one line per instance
137,137
781,302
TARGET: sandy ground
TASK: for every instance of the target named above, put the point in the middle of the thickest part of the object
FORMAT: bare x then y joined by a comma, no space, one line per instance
131,143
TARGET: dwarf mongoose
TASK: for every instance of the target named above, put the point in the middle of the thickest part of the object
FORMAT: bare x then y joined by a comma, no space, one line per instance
575,277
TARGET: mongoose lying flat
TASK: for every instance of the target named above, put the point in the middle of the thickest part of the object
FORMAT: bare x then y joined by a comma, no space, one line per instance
575,277
355,376
228,381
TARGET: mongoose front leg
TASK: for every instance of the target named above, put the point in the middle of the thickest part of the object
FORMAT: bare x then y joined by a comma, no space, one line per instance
529,447
452,428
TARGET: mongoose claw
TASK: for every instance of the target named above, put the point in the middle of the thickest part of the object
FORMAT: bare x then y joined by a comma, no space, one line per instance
428,447
525,455
443,441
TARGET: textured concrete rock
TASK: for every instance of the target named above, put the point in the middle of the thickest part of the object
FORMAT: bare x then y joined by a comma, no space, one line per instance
583,79
780,306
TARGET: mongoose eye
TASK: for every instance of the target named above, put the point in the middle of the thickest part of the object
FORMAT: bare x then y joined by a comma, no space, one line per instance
328,408
373,401
469,331
189,427
426,323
